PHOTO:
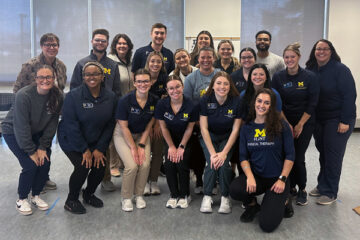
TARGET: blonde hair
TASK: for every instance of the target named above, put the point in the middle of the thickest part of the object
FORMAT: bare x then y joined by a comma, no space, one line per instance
293,47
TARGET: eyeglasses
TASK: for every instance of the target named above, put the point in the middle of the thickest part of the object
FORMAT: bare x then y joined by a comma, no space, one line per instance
44,77
262,39
100,40
49,45
142,82
248,57
177,87
322,49
92,74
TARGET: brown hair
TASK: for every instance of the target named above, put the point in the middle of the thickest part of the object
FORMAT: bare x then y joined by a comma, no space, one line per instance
293,47
233,91
177,69
158,25
154,53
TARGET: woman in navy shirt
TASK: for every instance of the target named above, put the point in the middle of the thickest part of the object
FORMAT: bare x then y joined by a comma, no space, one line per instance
135,119
177,116
219,123
84,134
156,66
299,91
266,156
335,117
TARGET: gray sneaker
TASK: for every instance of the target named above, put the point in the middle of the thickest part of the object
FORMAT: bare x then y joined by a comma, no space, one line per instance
325,200
301,198
50,185
108,186
314,193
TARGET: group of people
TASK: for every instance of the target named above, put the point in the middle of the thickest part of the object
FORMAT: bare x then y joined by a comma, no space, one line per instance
204,110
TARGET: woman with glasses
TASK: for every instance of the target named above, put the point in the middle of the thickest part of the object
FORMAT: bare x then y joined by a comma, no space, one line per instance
183,67
135,119
299,91
335,117
28,130
226,62
177,116
247,60
85,131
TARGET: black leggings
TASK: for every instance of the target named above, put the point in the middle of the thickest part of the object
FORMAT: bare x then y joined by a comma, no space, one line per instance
80,174
198,161
273,204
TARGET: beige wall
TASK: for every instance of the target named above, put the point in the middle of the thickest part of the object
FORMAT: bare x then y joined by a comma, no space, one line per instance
344,19
220,18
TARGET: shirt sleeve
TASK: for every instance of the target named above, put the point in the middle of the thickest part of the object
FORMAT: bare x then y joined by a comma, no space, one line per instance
278,101
188,88
243,150
136,62
76,78
25,77
203,106
239,112
347,89
313,93
288,142
159,112
122,109
194,117
116,85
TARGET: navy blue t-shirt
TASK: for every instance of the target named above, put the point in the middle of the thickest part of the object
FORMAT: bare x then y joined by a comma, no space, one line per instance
238,79
220,117
129,110
158,88
176,123
299,93
266,157
141,54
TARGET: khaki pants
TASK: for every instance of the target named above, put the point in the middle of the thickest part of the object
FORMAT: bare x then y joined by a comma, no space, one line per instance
135,176
112,161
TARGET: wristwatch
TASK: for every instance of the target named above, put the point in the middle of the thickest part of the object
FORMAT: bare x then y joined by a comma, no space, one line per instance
141,145
181,146
283,178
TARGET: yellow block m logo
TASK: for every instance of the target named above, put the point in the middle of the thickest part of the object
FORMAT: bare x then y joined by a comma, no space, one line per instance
107,71
202,92
300,84
230,111
259,133
186,115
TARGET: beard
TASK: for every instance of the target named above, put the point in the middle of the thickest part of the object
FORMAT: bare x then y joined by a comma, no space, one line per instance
95,49
262,47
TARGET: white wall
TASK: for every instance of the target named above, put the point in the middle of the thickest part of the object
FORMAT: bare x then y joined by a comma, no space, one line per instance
220,18
344,19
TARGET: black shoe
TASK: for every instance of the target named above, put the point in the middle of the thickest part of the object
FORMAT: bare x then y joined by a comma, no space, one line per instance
289,211
293,192
92,200
250,213
302,198
74,206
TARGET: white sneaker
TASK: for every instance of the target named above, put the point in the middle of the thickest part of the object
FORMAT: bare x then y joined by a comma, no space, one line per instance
154,188
23,206
39,203
140,202
127,205
147,189
225,206
171,203
184,202
206,204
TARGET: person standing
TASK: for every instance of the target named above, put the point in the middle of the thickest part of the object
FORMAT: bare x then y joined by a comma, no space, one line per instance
50,44
273,62
28,130
226,62
335,117
299,91
158,36
100,42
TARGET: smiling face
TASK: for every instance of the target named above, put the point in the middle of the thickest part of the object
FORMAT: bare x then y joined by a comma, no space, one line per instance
203,41
221,86
263,42
142,83
50,49
182,59
291,59
93,76
247,59
175,89
122,47
158,36
322,53
206,60
258,77
155,64
225,51
99,43
44,80
262,104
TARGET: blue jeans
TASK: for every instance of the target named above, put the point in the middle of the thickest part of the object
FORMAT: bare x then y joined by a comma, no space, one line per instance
224,173
32,177
331,146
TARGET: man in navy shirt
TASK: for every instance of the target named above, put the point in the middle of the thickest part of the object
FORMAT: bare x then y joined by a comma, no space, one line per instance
158,36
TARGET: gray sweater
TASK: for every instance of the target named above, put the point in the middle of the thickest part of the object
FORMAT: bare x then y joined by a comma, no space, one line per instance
29,116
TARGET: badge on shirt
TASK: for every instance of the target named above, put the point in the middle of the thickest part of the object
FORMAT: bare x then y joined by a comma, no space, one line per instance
134,110
202,92
287,85
165,59
301,85
151,109
185,117
211,105
88,105
107,71
240,84
230,113
168,116
260,135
